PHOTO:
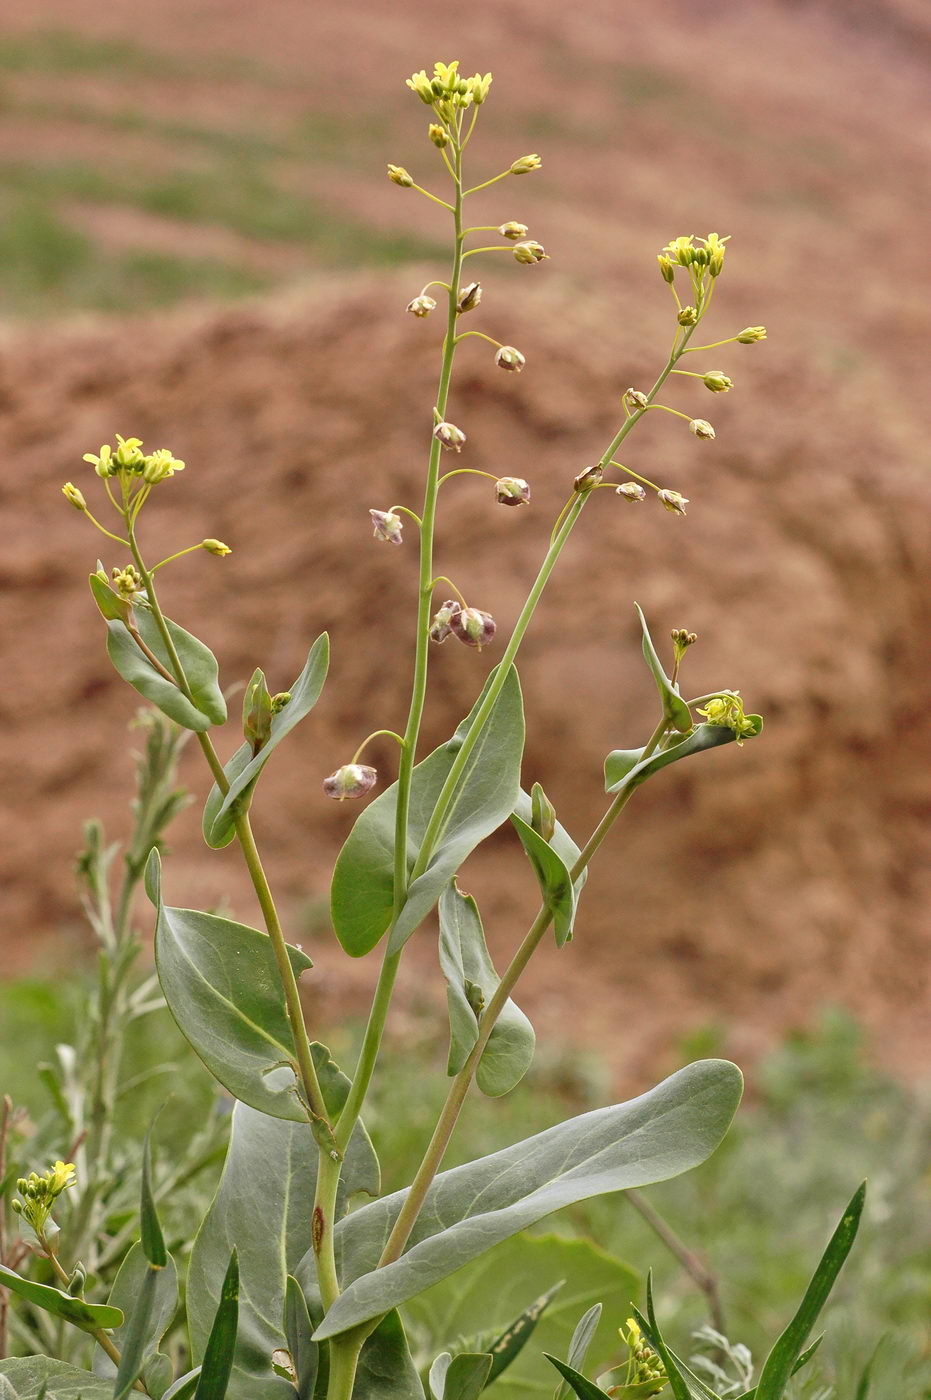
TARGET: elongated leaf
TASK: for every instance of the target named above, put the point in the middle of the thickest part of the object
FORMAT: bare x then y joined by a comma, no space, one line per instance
471,982
386,1371
363,879
87,1316
217,1364
221,983
618,774
153,1241
263,1208
197,660
505,1349
579,1346
674,707
299,1330
674,1376
184,1387
554,879
137,1334
664,1132
467,1309
33,1377
466,1376
584,1389
778,1367
243,770
148,1299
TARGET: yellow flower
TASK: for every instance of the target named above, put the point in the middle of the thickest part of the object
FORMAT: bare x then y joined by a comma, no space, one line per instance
161,464
727,711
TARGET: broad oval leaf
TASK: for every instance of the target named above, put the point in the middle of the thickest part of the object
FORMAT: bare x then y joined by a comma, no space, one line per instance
243,770
675,709
471,982
483,1298
270,1233
87,1316
197,660
664,1132
220,981
362,893
619,773
43,1378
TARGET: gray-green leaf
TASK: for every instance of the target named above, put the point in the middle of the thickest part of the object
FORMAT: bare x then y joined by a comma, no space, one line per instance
674,707
221,983
198,662
363,880
620,773
386,1371
471,983
664,1132
148,1298
243,770
87,1316
35,1376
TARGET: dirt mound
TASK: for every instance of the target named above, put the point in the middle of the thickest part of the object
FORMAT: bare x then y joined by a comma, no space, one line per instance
750,887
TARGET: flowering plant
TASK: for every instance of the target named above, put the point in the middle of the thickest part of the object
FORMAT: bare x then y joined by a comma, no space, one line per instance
294,1288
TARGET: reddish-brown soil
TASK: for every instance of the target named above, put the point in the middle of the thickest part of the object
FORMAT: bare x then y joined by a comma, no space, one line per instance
747,888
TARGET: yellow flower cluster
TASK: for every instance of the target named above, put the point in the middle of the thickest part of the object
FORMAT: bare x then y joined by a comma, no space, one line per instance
129,457
448,89
38,1194
684,252
727,710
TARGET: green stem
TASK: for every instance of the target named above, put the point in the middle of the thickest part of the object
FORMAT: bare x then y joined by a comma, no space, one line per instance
462,1083
344,1358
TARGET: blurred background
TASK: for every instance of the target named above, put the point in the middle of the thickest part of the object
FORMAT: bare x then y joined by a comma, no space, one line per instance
198,246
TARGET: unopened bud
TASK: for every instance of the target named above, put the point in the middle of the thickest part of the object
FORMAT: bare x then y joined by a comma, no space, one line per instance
751,334
525,165
673,501
667,267
542,813
688,316
352,780
257,713
126,582
77,1281
681,641
510,359
440,627
512,491
72,494
438,135
702,429
717,382
636,400
450,436
513,230
399,176
280,700
631,491
215,547
529,252
421,306
589,479
469,297
388,526
472,626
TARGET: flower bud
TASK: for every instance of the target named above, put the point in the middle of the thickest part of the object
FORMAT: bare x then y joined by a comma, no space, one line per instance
666,267
420,83
473,627
438,135
512,491
399,176
701,429
510,359
717,382
280,700
688,316
525,165
513,230
72,494
440,626
422,305
450,436
478,88
636,400
673,501
469,297
681,641
542,813
352,780
589,479
631,491
257,713
751,335
215,547
127,582
388,526
529,252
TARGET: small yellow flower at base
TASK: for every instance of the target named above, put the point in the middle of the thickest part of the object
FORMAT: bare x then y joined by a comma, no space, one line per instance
216,547
525,164
72,494
727,711
160,465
